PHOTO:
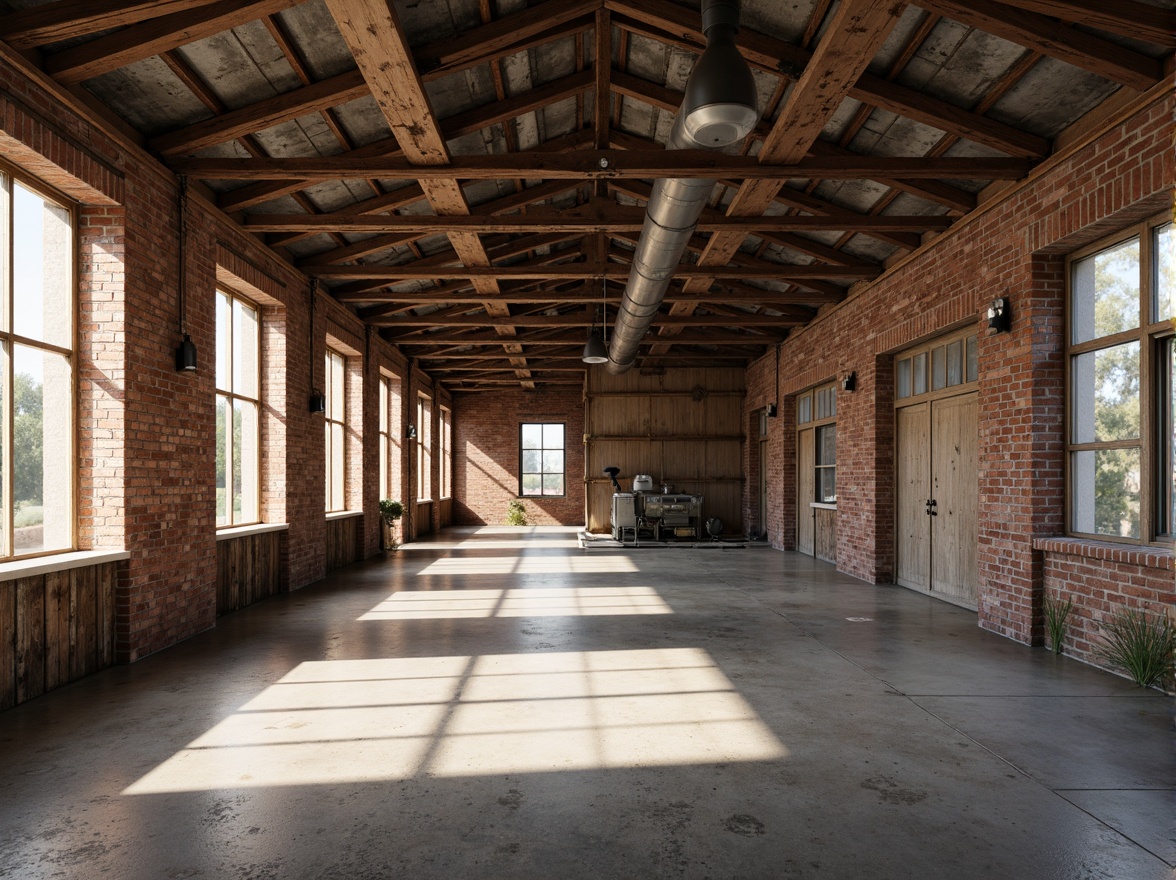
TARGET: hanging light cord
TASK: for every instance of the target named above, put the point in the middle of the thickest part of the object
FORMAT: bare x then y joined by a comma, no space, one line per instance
182,289
604,308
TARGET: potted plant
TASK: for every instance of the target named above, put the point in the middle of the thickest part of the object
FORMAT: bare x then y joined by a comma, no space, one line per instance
390,512
516,513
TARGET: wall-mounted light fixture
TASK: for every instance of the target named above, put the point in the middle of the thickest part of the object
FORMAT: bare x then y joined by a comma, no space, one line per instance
771,410
1000,315
186,351
410,432
318,400
849,381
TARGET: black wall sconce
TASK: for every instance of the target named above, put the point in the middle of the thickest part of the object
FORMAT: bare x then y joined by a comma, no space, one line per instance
410,432
849,382
1000,315
771,410
318,401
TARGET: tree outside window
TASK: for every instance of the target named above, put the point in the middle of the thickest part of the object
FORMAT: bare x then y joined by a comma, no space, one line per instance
1120,384
36,378
238,387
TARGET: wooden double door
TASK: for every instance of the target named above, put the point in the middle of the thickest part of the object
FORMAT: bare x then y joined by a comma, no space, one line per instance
936,465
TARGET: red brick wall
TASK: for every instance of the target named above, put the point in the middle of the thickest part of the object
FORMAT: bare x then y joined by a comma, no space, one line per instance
1013,247
1100,579
486,456
146,456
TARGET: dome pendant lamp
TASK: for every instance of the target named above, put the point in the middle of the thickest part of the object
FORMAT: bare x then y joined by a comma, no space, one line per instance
596,351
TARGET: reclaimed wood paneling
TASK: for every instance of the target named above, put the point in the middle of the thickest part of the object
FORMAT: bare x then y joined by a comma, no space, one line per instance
343,541
58,616
825,534
55,628
249,569
683,427
7,644
30,637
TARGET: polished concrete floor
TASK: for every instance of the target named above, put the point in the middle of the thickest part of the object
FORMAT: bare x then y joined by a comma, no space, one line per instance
499,703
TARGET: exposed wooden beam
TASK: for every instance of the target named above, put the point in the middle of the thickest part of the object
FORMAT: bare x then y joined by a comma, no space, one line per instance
69,19
782,58
1054,39
368,246
372,31
484,43
607,165
580,271
583,318
591,218
553,92
728,292
854,34
156,35
262,115
711,337
1127,18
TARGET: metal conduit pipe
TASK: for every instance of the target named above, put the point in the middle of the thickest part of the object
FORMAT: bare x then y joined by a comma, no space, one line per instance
719,109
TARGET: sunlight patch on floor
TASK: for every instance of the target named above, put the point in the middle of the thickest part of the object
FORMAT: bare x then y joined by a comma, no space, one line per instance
450,566
542,602
374,720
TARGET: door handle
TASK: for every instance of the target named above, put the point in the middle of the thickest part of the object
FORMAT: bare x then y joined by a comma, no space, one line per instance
931,505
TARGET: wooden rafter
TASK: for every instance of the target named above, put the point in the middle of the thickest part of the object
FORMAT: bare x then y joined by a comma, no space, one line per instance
581,272
1127,18
592,218
1055,39
262,115
606,165
779,57
147,38
70,19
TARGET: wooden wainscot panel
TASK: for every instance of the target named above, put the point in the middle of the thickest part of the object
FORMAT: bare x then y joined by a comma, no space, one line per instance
55,628
58,617
826,534
30,637
343,541
248,569
7,644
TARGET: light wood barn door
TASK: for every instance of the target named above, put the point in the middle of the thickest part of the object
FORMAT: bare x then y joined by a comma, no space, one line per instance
913,477
805,491
954,488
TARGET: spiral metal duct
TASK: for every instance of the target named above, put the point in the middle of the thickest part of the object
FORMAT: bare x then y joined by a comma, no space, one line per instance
719,108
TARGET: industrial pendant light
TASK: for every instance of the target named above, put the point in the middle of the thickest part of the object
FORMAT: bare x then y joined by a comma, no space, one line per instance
596,352
186,350
719,107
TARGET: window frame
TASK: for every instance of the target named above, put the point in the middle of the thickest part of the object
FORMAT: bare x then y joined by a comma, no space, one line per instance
424,450
10,175
233,396
808,404
1152,337
333,354
445,451
542,473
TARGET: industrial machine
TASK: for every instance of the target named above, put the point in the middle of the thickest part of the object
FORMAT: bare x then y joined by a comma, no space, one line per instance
656,516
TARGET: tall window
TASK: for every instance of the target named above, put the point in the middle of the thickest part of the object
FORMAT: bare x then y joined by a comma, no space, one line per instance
816,410
335,428
424,448
541,454
1121,386
238,393
446,453
36,371
385,439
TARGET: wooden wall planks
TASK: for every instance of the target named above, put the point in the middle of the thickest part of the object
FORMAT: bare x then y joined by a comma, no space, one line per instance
55,628
249,569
